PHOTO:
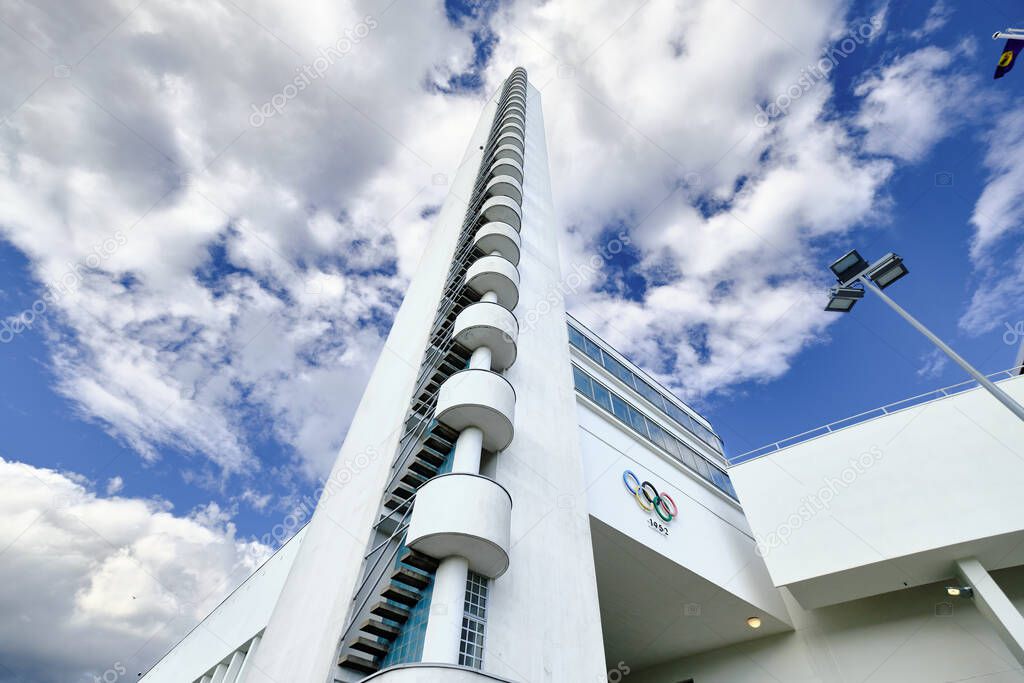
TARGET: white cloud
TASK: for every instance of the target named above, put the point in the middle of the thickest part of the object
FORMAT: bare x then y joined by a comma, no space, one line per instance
317,212
623,136
114,485
938,16
913,102
116,581
932,364
253,271
998,215
249,272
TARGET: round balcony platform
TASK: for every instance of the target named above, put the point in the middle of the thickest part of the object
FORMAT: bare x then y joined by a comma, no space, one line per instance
512,127
478,398
509,167
463,514
512,139
499,237
504,210
504,186
495,274
508,152
514,109
491,325
514,117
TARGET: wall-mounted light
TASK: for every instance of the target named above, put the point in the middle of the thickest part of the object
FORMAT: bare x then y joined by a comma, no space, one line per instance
754,622
960,591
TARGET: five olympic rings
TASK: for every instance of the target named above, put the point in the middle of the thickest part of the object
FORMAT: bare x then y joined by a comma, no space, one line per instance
648,498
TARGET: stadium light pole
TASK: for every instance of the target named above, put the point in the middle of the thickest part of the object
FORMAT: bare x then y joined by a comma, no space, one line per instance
852,270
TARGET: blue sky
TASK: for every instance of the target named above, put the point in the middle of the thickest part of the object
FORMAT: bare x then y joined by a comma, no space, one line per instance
199,375
872,357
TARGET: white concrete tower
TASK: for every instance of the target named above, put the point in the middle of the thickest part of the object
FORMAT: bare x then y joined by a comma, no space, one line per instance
451,541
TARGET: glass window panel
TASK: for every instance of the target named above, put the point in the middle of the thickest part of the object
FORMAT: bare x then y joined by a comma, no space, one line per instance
702,467
581,381
576,338
602,396
637,421
619,370
620,409
649,392
686,456
719,478
656,433
592,350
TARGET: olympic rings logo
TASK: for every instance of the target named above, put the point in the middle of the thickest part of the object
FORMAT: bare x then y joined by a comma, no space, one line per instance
648,498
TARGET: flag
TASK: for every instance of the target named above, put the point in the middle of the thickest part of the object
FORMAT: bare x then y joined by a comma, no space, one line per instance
1008,57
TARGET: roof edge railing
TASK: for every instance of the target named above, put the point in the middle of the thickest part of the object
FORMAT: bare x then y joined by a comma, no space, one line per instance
868,415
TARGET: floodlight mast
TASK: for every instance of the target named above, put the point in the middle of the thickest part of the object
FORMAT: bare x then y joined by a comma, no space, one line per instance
984,381
886,265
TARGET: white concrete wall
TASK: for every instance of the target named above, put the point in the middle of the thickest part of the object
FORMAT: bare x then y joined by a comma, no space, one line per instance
903,637
543,619
237,619
710,537
891,502
302,638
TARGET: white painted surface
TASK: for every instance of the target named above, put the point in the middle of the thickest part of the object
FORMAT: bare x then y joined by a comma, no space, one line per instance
709,537
444,630
488,325
911,636
495,274
500,237
891,502
992,602
301,642
543,622
237,619
428,673
478,398
463,514
502,210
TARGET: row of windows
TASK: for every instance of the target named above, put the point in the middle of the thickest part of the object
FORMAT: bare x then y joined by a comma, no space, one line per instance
633,418
474,622
408,647
642,387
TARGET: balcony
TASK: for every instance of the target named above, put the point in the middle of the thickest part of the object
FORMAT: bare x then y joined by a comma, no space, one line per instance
505,186
512,139
508,167
501,238
482,399
463,514
503,210
490,325
509,152
513,128
893,501
495,274
514,116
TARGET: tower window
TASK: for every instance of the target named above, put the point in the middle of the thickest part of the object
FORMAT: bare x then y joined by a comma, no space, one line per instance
474,621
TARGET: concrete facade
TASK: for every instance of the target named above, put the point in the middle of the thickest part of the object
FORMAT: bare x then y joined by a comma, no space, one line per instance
595,514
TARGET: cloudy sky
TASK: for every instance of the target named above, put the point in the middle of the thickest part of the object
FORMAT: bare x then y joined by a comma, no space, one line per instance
199,263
